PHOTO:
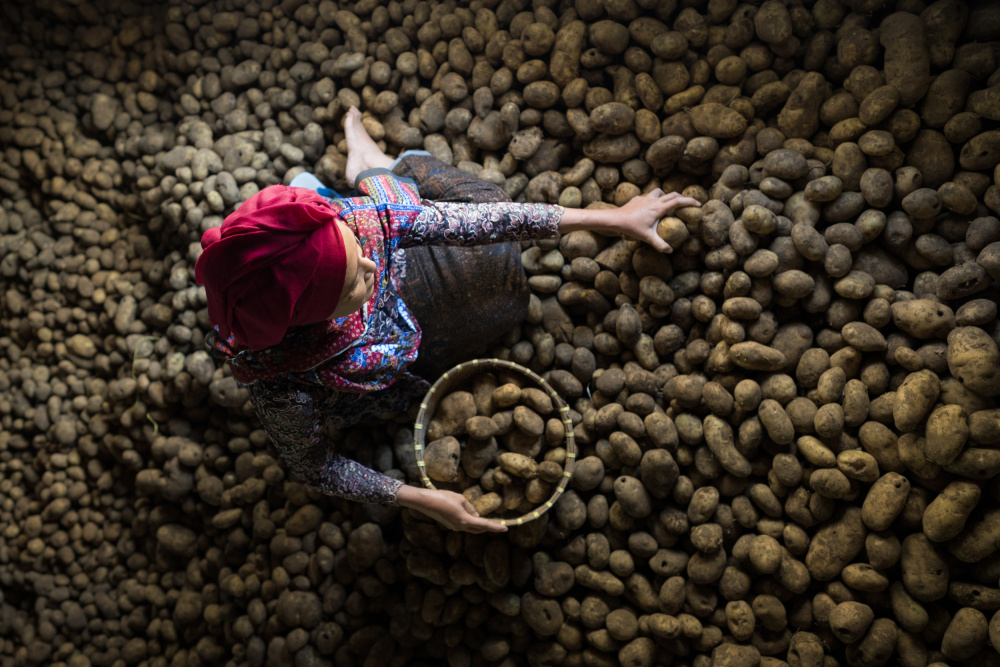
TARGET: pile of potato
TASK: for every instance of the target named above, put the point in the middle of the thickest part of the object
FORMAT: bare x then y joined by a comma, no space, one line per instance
485,440
788,427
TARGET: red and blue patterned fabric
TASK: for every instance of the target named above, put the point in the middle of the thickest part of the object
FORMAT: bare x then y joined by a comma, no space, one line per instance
363,351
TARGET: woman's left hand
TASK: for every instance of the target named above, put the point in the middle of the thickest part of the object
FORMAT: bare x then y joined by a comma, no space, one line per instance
638,218
450,509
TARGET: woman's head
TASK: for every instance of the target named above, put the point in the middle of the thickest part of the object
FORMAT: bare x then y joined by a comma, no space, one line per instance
359,276
282,259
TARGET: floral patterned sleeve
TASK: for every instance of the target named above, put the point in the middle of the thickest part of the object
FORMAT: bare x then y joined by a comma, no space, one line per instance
294,415
450,223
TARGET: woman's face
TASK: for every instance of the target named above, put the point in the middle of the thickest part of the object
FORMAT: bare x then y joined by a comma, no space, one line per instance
359,281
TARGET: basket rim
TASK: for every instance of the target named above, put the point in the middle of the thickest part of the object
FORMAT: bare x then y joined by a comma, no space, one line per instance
424,417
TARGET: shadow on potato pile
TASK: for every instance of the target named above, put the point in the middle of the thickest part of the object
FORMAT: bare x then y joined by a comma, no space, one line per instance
788,427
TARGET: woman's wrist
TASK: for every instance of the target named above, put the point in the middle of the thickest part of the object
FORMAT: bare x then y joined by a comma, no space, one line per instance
409,496
587,219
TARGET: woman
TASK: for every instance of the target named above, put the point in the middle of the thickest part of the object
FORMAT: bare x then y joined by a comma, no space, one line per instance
320,313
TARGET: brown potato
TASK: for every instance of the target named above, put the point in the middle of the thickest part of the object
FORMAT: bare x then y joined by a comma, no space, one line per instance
973,358
715,120
518,464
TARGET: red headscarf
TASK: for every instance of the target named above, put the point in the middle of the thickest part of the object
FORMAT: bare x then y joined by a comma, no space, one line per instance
278,261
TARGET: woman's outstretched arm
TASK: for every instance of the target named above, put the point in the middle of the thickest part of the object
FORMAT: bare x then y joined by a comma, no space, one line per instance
449,223
293,418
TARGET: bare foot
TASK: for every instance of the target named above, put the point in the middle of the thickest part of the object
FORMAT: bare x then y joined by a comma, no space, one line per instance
362,152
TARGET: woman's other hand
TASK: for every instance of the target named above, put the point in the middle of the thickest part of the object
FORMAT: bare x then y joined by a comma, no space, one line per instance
639,217
448,508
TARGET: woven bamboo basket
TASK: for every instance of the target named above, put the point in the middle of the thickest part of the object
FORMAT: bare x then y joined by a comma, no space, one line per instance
457,376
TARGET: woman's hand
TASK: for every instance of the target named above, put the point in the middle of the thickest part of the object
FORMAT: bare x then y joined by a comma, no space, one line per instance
448,508
637,219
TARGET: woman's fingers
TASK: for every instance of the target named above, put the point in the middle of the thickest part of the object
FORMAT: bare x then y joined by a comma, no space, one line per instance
481,525
492,526
671,201
477,524
658,243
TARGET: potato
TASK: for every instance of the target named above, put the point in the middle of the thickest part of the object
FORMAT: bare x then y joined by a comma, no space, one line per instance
923,318
607,148
922,203
961,281
925,573
878,105
754,356
862,80
983,102
966,634
588,473
885,501
610,37
488,503
946,515
984,427
947,431
878,645
478,454
717,121
849,165
850,621
518,464
786,164
442,458
944,19
915,398
506,395
876,143
880,442
720,440
489,133
981,151
776,421
863,337
569,43
613,118
931,153
876,186
974,359
800,115
528,421
907,60
857,46
858,465
632,495
451,416
794,284
541,94
835,545
946,97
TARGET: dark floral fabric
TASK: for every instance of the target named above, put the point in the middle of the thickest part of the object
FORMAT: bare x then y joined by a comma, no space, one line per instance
297,417
449,223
